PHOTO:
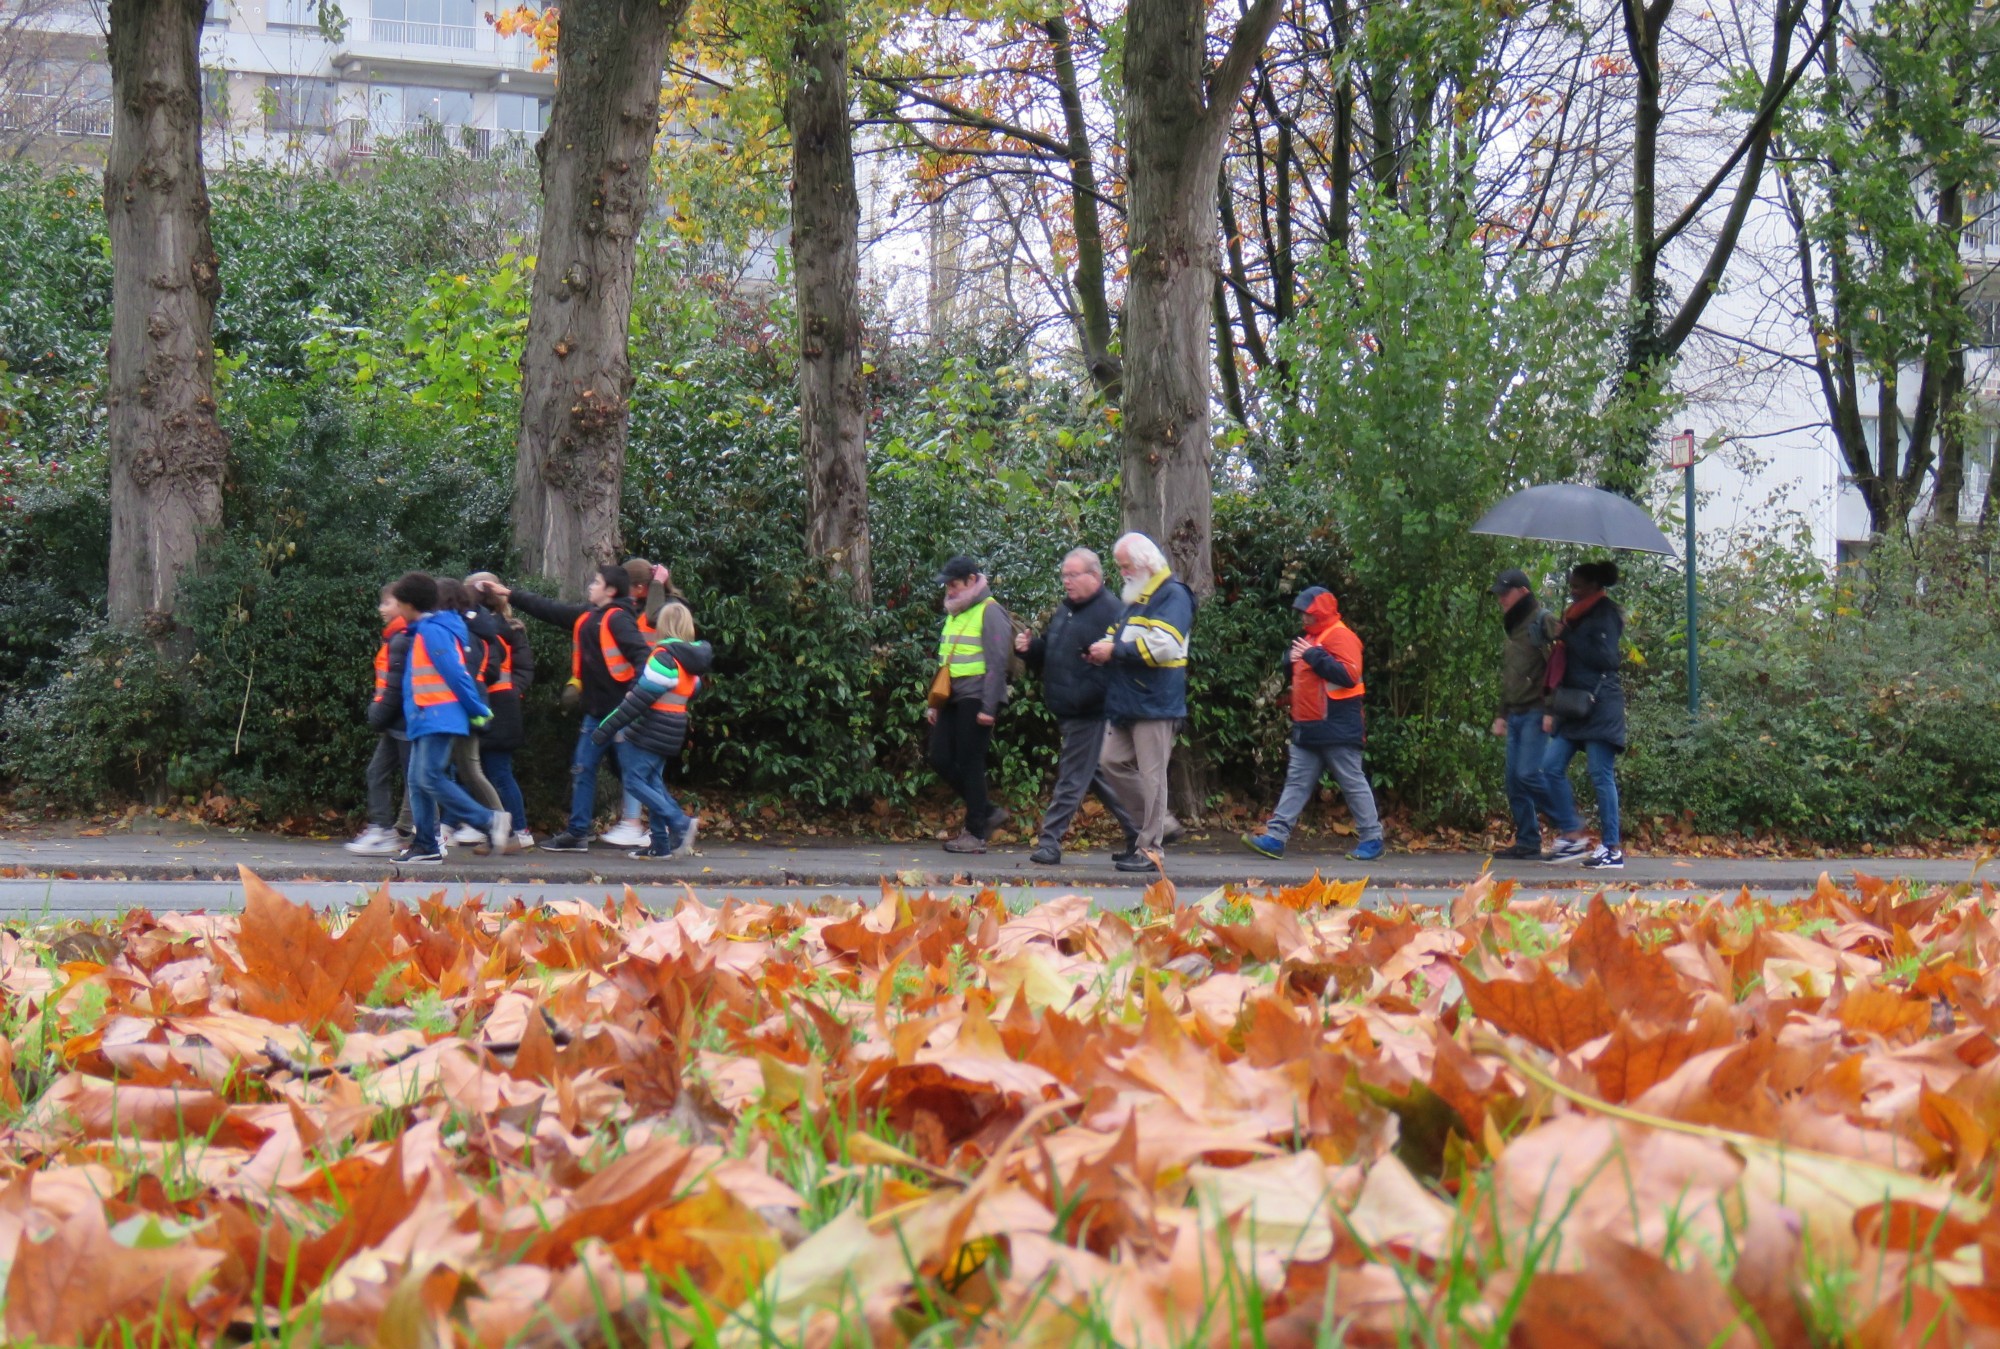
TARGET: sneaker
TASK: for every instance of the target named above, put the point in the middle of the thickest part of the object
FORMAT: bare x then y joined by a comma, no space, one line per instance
1518,852
374,841
1047,855
626,834
1605,859
685,848
500,832
1136,862
415,856
1264,845
465,833
566,842
1367,850
965,843
523,840
653,852
1566,850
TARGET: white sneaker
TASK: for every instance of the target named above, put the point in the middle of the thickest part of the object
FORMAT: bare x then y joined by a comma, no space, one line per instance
499,831
626,834
687,840
523,840
465,833
374,841
1567,850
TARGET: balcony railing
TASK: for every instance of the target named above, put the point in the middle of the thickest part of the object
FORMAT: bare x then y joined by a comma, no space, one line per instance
434,140
54,114
400,33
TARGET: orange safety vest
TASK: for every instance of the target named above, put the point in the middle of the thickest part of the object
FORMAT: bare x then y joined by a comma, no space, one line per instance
1310,693
615,664
505,683
677,698
396,625
427,686
646,628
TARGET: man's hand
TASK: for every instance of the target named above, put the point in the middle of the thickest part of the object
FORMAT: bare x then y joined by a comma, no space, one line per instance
1548,725
1500,727
930,715
1100,652
1021,642
1300,646
985,718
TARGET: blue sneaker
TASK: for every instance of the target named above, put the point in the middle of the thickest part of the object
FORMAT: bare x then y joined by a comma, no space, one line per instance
1264,846
1366,851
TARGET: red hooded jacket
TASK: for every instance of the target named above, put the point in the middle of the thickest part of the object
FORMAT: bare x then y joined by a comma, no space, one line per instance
1326,681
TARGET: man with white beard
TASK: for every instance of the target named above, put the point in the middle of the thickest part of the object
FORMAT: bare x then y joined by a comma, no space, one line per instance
1146,700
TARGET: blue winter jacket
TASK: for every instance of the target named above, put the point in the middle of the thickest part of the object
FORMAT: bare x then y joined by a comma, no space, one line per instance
1149,654
445,639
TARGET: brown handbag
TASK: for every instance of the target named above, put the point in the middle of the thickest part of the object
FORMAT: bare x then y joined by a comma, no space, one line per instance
941,687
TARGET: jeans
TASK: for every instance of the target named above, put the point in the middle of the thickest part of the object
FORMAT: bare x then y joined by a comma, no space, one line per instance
958,753
432,791
1527,788
645,777
1076,773
1602,761
499,766
390,761
583,776
1303,766
1134,765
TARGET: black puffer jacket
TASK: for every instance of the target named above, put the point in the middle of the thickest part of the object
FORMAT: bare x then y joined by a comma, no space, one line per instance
601,693
1593,647
1071,686
646,727
507,649
385,714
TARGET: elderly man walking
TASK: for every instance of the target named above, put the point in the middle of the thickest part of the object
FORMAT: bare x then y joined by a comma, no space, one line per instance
1146,699
1073,689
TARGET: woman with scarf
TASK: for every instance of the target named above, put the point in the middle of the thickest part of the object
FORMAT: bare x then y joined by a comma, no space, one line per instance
1586,712
966,693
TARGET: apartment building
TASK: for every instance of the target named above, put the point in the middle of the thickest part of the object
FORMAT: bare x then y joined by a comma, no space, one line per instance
287,79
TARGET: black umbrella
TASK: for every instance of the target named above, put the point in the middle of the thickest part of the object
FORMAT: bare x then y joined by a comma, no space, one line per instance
1568,512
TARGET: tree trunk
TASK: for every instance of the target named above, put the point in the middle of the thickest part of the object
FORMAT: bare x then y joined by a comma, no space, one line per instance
826,227
576,377
167,450
1174,154
1094,332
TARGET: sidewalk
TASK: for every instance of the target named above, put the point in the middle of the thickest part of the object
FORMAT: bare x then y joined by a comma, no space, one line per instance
818,862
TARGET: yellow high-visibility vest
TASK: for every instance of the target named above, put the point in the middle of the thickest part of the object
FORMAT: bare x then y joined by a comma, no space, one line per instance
962,649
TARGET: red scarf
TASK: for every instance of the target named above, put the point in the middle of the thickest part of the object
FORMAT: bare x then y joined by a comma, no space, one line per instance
1559,654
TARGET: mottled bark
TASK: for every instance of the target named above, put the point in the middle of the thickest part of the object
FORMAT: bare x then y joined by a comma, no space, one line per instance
167,449
1178,117
576,378
826,225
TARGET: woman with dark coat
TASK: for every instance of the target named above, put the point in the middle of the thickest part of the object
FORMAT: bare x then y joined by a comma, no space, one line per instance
1587,713
507,672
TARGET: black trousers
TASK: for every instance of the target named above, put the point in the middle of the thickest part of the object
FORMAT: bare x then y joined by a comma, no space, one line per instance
958,753
390,761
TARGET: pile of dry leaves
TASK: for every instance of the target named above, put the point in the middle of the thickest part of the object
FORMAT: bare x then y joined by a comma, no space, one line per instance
1282,1120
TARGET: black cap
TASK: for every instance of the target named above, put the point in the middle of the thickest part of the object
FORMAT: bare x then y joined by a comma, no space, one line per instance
958,569
1511,579
1307,596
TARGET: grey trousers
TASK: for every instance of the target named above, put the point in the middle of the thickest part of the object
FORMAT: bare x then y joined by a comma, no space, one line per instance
1077,772
390,761
1134,766
1303,767
465,762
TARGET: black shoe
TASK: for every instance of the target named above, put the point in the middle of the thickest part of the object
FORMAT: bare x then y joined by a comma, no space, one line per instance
1047,855
1518,852
1128,852
414,856
1605,859
653,852
1132,862
565,842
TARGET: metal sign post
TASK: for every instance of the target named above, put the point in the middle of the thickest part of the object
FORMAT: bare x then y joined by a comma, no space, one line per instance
1680,455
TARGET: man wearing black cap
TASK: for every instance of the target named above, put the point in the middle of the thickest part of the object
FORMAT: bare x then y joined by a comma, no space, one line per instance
1524,664
966,694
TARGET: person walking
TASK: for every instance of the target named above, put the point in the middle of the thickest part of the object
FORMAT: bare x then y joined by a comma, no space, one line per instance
607,652
1145,697
1073,690
1586,712
1524,665
507,674
650,588
482,633
650,728
966,694
1328,728
390,763
442,704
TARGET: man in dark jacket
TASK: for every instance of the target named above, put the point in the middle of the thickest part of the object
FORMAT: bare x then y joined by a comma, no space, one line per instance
1524,666
1145,699
1073,689
1328,728
607,653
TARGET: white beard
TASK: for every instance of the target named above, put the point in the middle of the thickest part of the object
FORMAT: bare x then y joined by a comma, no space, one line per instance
1133,589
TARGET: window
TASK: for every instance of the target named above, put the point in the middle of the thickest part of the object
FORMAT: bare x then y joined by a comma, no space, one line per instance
299,104
292,14
215,97
433,23
400,105
522,113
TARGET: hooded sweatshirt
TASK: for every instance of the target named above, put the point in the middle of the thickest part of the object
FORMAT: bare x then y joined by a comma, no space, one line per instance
1330,666
442,639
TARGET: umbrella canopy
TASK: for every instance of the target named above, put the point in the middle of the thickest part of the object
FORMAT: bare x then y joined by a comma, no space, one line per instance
1568,512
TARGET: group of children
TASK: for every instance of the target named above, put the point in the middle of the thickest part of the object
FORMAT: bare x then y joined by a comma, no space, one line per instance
451,672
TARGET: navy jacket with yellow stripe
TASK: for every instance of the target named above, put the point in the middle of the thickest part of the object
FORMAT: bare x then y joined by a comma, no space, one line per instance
1149,654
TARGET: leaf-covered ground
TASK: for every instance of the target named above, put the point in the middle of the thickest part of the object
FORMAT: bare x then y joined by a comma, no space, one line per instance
1276,1120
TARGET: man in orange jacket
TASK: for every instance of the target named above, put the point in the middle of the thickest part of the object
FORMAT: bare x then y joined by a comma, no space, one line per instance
1328,728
